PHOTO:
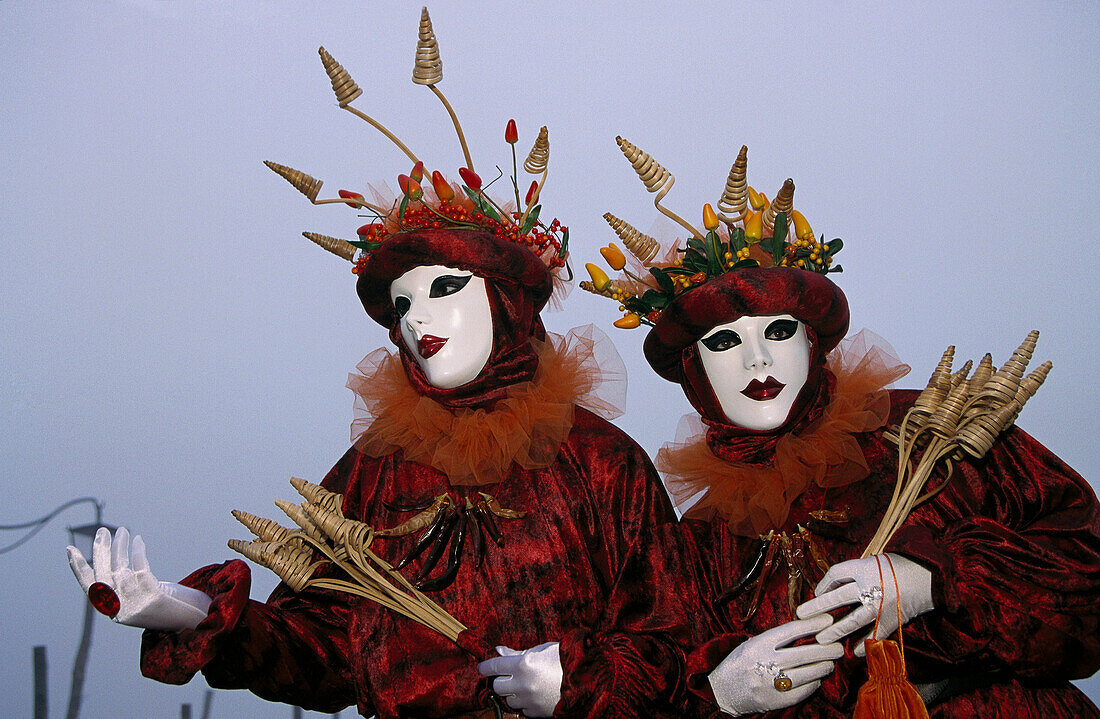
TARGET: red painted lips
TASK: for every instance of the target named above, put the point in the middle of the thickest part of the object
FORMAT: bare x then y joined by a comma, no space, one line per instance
761,391
428,345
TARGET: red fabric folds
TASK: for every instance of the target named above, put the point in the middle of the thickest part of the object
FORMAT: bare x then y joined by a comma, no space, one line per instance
750,482
525,426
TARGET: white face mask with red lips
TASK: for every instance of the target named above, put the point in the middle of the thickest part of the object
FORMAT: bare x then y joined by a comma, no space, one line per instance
445,321
756,366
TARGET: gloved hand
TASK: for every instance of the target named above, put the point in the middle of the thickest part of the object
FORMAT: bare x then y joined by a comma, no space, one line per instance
123,587
857,582
763,673
529,681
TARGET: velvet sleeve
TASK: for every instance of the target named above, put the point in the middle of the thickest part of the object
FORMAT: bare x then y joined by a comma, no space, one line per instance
632,664
1013,543
292,649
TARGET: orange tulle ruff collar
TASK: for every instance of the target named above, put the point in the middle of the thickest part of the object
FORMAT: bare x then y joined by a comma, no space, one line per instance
755,498
479,446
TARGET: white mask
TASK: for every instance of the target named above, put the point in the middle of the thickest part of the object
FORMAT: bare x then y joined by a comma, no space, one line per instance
757,366
445,321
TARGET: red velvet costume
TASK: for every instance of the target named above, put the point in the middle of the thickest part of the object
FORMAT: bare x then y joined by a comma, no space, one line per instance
588,565
1013,542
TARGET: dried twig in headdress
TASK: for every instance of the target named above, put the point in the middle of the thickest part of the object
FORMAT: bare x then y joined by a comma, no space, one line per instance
655,178
428,70
346,90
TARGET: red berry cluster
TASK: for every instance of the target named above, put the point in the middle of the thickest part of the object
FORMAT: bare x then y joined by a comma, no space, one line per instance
447,213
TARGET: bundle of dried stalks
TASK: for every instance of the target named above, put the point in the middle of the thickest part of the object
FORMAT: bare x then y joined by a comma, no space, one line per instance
325,537
956,415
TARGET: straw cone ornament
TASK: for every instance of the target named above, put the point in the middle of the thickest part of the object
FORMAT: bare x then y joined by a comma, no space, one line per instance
539,155
306,184
955,415
266,530
638,243
655,178
735,198
327,538
428,68
335,245
345,88
783,202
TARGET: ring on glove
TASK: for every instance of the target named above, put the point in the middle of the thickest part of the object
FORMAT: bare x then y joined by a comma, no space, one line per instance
871,595
782,682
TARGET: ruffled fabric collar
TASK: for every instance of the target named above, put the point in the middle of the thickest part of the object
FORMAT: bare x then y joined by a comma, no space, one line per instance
478,446
751,481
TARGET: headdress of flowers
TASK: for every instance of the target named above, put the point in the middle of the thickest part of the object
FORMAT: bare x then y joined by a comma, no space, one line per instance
445,203
747,231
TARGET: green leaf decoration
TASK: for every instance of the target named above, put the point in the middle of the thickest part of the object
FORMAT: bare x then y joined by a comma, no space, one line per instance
780,230
714,254
532,218
737,240
663,280
482,205
656,300
773,248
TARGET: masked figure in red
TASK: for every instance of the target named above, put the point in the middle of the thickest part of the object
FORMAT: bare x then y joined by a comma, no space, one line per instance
996,580
547,530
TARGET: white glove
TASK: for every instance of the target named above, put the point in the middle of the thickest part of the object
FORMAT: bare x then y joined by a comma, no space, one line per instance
142,601
529,681
764,674
857,582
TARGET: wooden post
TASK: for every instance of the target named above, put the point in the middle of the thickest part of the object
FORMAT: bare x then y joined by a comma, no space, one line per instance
40,690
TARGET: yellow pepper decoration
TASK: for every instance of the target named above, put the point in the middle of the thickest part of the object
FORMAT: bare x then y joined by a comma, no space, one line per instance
754,227
628,321
710,220
802,229
614,257
755,199
599,278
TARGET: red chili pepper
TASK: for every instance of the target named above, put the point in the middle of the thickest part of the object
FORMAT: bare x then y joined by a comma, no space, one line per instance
510,132
349,195
470,178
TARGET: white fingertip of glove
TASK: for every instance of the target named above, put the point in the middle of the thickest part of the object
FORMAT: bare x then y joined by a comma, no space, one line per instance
143,601
529,680
857,581
748,681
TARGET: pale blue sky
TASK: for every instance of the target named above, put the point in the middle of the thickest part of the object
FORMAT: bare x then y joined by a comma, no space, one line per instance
170,344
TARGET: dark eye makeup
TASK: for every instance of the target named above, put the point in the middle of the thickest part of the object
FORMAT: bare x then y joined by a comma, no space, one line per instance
441,287
448,284
721,341
781,330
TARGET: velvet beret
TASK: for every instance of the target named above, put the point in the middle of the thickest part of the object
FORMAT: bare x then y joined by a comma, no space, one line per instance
488,256
807,296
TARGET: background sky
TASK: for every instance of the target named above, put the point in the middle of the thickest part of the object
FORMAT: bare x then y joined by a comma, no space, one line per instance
171,345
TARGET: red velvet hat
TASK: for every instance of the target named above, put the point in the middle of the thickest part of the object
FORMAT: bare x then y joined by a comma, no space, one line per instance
502,262
807,296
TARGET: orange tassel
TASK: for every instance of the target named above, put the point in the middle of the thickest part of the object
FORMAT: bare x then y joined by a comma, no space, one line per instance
888,694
